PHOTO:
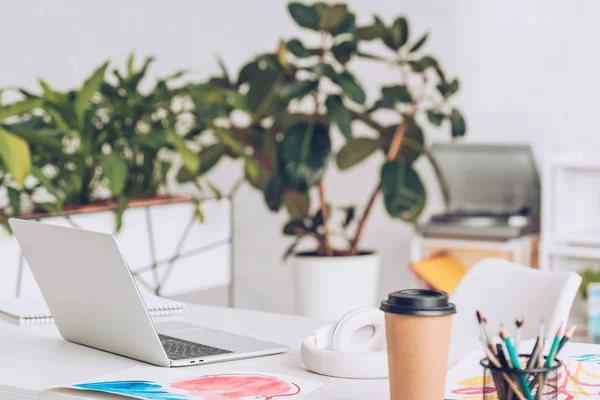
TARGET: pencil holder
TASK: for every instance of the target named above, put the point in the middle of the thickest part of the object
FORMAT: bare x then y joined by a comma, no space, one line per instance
508,383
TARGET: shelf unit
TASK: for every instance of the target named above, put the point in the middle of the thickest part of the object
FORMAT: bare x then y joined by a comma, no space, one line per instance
570,213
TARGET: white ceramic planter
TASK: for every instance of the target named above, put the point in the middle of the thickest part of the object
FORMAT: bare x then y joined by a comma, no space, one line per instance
327,287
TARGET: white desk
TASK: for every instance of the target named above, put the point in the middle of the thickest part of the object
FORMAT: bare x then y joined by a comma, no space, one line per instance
36,357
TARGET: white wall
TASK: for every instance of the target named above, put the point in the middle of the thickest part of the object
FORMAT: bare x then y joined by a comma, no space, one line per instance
528,68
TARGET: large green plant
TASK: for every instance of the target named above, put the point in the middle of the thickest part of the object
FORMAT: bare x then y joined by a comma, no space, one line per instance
106,140
279,115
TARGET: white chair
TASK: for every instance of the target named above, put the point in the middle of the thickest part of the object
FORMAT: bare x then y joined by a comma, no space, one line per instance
503,291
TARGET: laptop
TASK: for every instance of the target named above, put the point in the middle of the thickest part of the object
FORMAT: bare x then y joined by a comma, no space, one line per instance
95,302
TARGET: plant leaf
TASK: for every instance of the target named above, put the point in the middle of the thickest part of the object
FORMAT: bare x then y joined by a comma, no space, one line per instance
261,91
447,89
14,197
304,154
295,227
123,204
340,115
218,195
297,90
274,192
355,151
403,192
47,184
347,83
332,16
347,25
19,107
89,88
305,16
131,64
115,170
343,51
296,47
292,209
189,158
419,43
247,72
291,249
223,70
15,155
395,94
350,214
459,127
397,35
375,31
435,117
210,156
424,63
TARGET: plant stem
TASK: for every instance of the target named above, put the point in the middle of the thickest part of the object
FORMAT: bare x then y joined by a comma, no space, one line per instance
322,194
391,155
325,212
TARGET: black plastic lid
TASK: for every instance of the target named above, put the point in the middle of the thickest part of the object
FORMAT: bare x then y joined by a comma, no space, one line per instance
428,303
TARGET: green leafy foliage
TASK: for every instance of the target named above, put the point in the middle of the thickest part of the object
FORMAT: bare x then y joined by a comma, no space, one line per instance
101,141
115,170
303,155
15,156
459,126
346,81
396,36
305,16
403,191
355,151
344,51
375,31
340,115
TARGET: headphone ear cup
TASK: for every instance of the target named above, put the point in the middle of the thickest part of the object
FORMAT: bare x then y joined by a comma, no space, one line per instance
345,331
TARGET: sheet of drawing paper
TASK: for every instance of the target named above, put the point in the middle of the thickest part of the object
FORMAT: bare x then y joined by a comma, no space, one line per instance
150,383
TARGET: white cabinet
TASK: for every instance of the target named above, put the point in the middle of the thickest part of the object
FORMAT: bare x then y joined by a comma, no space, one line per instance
570,211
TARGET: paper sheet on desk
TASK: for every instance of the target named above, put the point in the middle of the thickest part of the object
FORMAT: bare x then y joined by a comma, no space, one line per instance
578,379
193,383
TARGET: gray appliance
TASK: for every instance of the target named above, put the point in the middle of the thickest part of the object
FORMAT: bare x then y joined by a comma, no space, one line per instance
493,192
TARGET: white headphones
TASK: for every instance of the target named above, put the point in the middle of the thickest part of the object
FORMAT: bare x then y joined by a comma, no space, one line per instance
354,347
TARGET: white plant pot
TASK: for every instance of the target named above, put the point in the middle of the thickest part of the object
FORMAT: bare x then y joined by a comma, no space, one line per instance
327,287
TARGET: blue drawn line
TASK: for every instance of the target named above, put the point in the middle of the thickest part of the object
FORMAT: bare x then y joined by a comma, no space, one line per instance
594,358
138,389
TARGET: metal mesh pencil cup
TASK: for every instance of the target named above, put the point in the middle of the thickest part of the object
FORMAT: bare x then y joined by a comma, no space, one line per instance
507,383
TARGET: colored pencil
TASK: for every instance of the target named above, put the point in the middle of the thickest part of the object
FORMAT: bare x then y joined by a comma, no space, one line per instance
509,381
519,323
566,338
537,347
515,361
501,356
484,332
554,348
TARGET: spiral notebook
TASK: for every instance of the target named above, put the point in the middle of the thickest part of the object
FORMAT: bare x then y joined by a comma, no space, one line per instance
34,311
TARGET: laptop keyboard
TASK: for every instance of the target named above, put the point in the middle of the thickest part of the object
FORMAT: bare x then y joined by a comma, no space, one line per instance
179,349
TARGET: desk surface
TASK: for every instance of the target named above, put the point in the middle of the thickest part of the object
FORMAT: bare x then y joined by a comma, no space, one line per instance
36,357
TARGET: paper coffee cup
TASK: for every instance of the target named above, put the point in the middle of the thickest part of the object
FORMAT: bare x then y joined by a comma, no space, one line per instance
417,327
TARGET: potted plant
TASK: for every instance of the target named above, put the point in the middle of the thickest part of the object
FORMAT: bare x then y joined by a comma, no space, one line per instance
279,116
88,154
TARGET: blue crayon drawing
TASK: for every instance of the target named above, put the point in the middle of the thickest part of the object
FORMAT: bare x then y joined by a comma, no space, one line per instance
594,358
138,389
